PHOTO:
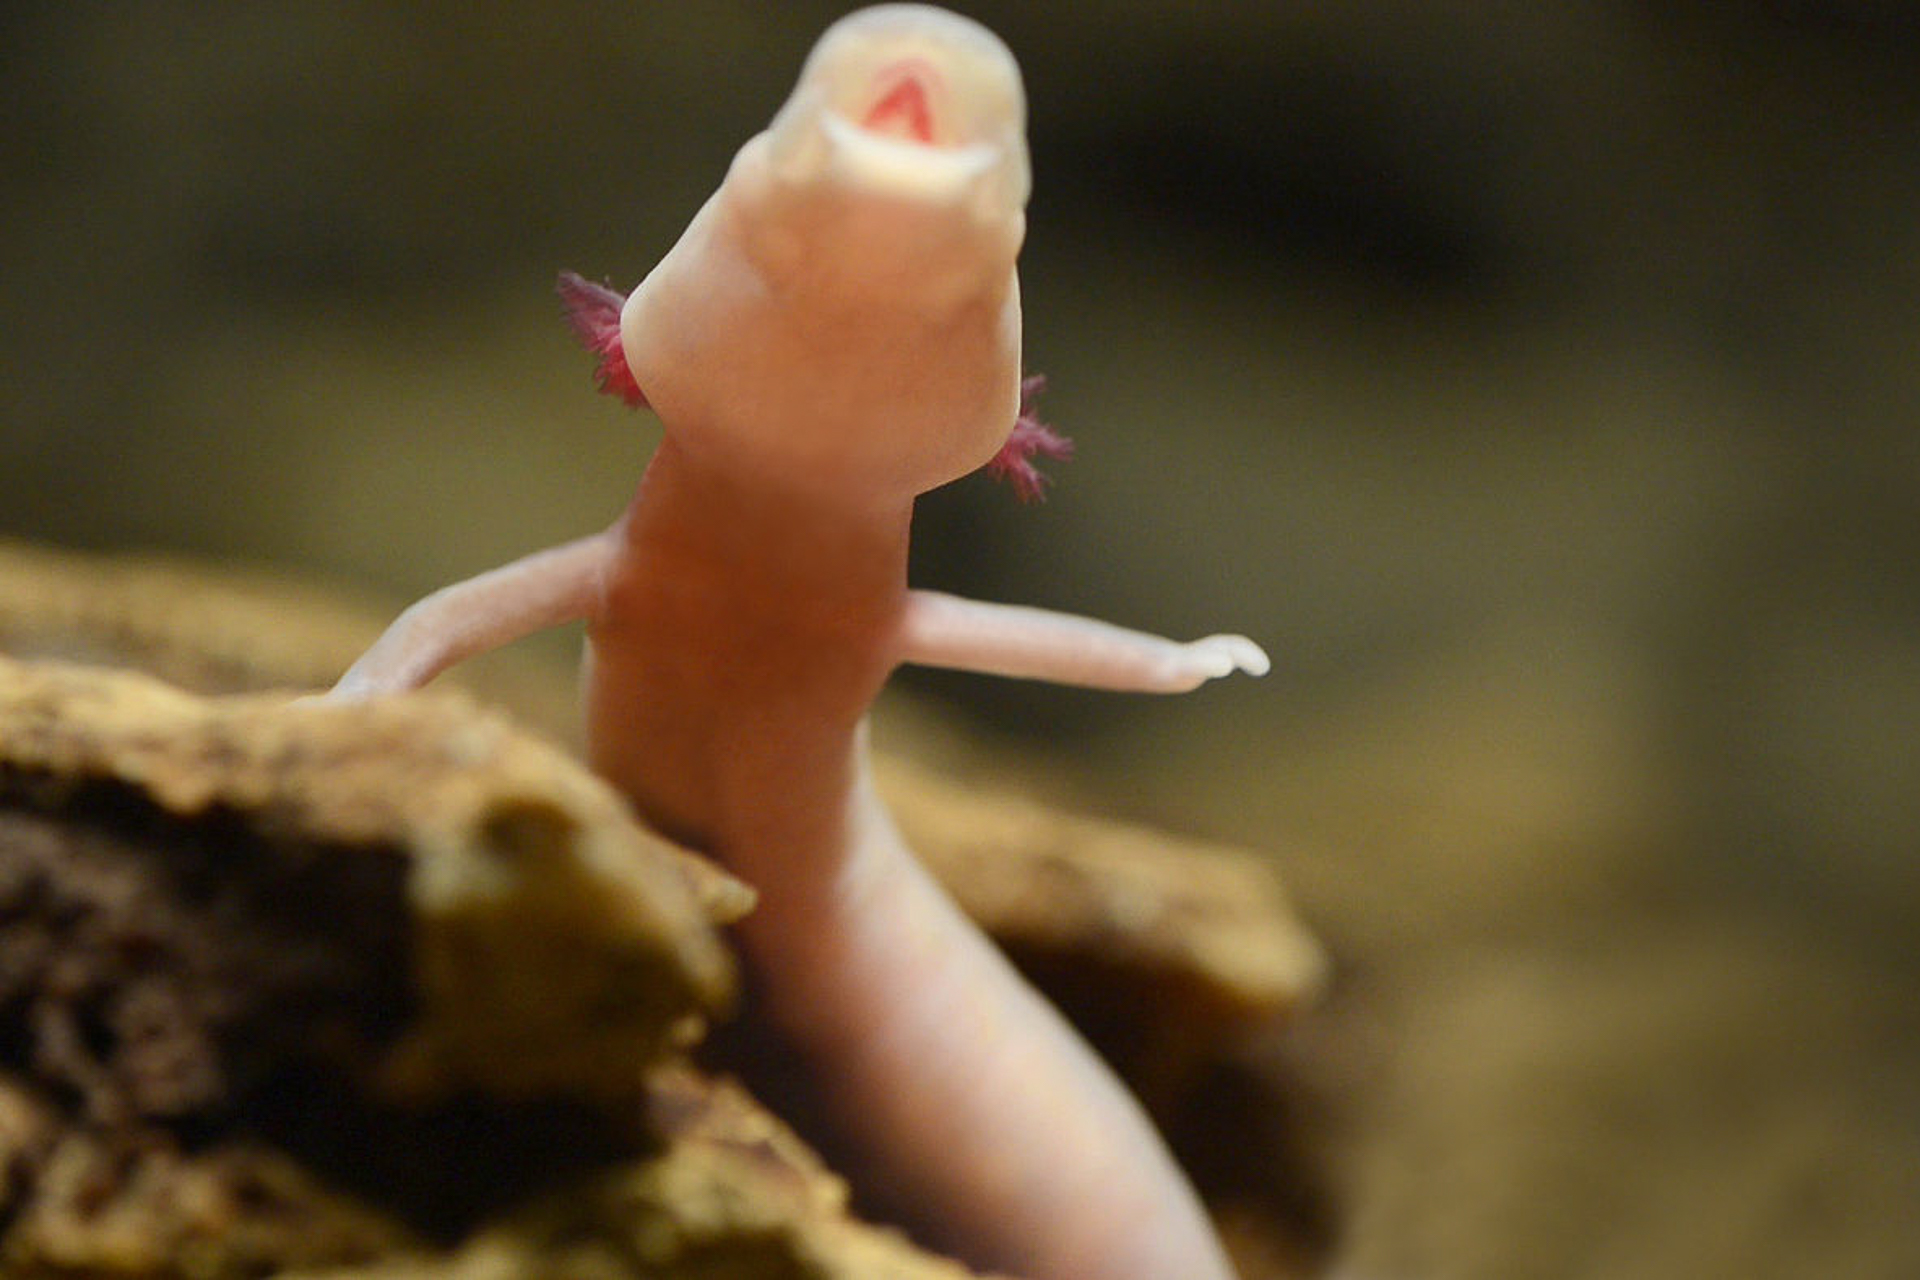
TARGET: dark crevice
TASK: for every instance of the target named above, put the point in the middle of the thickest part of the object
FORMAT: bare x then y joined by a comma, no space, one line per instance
189,982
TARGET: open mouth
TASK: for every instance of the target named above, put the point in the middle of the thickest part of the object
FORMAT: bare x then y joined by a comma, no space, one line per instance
903,108
900,134
912,104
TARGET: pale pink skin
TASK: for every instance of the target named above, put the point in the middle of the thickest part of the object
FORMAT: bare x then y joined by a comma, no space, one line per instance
836,332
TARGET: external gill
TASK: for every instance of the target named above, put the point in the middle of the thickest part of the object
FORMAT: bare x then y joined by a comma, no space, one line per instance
593,313
1029,439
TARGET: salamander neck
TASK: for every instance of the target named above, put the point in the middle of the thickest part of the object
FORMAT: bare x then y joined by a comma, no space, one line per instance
751,629
792,551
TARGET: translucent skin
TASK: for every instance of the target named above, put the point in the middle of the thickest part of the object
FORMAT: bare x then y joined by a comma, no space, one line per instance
838,331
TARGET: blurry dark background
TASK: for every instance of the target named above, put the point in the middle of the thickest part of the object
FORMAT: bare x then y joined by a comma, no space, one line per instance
1539,383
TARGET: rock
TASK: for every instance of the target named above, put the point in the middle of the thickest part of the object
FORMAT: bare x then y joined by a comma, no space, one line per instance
300,984
733,1194
1117,923
85,1201
201,628
398,989
548,936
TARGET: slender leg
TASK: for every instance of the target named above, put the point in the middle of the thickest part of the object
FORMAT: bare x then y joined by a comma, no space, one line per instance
468,618
1037,644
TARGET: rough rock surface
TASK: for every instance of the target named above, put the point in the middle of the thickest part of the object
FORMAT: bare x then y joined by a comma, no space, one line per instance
399,989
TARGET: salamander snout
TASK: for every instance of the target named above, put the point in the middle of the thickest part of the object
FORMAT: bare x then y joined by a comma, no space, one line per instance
910,101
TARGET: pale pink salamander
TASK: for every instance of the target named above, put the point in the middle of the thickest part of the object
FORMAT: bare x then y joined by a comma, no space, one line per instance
836,332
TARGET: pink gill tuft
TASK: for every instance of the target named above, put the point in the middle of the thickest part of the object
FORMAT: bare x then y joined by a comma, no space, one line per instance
1029,439
593,313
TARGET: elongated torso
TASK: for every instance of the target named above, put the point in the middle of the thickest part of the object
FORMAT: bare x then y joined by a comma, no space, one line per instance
838,331
964,1094
739,646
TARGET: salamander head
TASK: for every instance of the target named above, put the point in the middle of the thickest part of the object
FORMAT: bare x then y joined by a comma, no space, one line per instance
844,313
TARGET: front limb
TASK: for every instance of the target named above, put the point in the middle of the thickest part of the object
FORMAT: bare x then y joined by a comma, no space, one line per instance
469,618
1038,644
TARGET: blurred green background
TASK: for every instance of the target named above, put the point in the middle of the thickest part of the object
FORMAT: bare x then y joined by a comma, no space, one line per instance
1539,383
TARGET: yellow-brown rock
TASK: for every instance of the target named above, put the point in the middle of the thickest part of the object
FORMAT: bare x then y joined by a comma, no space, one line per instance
550,936
398,989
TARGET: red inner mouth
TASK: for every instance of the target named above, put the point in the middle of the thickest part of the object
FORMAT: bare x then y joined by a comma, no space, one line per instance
904,110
